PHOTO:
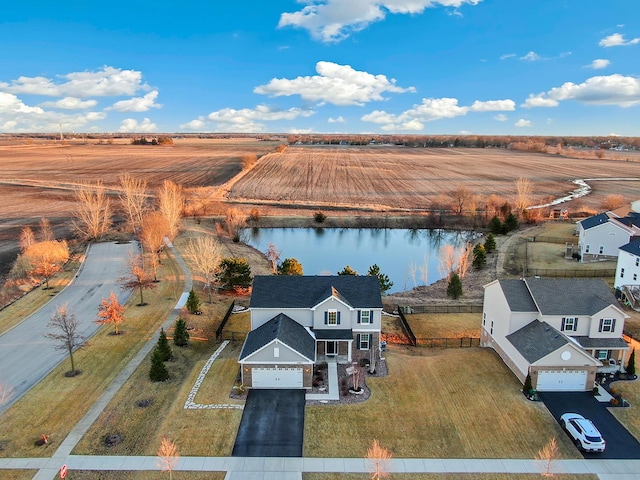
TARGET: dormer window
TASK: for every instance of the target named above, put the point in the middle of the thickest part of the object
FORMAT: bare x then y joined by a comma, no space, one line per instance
569,324
607,325
332,317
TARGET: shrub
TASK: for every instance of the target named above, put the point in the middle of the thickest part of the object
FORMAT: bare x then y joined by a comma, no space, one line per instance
479,257
254,214
319,217
193,303
454,288
495,226
234,273
158,371
527,387
631,366
181,335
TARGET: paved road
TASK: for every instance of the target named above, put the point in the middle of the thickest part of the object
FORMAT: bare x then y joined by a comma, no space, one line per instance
26,355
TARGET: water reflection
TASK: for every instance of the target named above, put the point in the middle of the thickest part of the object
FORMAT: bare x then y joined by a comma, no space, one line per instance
408,256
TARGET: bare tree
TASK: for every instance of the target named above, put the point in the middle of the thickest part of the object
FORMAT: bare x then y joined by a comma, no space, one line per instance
27,238
234,221
139,280
547,456
448,260
464,260
249,160
65,326
46,233
523,194
110,311
168,456
378,461
612,201
171,205
273,255
46,258
460,196
205,253
93,212
424,270
152,234
412,273
133,199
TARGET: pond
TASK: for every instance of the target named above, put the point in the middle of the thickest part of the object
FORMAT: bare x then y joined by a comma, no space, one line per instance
408,257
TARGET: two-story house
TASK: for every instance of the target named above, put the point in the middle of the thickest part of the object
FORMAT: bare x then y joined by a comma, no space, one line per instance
561,331
297,321
600,236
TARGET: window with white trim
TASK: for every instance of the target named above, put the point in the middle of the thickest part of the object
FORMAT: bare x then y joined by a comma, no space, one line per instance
602,354
601,249
276,352
606,325
569,324
484,319
637,262
586,248
622,273
363,341
365,316
635,277
332,317
491,331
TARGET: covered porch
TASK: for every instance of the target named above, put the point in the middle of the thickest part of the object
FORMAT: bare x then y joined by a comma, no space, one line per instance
612,352
334,345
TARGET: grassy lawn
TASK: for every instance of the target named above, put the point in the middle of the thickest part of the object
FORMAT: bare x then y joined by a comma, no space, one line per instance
134,475
441,476
630,391
17,474
453,403
57,403
206,432
440,325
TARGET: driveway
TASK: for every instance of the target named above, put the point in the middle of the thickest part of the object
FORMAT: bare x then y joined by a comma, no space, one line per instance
620,443
26,355
272,424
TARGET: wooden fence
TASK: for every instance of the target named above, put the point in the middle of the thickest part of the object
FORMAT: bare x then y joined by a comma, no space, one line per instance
225,320
406,328
449,342
560,240
571,273
444,308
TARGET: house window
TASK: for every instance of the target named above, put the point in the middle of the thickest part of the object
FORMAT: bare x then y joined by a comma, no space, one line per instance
363,341
276,352
569,324
365,316
622,273
635,277
586,248
602,354
601,249
637,262
332,317
491,331
484,319
607,325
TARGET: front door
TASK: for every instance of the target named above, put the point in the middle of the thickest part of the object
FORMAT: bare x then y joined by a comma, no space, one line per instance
332,348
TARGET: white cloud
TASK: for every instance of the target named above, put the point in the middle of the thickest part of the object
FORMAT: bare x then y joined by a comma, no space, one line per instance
616,89
336,84
501,117
507,55
70,103
340,119
130,125
244,120
523,123
432,109
108,81
617,40
599,63
531,57
137,104
335,20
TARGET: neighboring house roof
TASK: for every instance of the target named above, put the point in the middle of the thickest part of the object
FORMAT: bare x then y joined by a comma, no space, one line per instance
284,329
613,343
632,247
594,221
537,340
518,296
631,220
293,291
570,296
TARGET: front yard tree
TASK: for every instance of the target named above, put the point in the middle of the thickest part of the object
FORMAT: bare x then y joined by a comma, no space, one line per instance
547,456
379,459
383,279
234,273
631,366
93,212
193,303
171,206
490,243
181,334
110,311
154,229
511,223
454,288
133,200
290,266
495,226
163,346
46,258
168,456
205,254
139,280
158,371
348,271
65,332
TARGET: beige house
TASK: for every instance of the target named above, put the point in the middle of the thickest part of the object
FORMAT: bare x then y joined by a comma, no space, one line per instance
562,331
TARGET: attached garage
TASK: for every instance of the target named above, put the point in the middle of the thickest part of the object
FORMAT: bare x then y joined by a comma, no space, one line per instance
277,377
564,381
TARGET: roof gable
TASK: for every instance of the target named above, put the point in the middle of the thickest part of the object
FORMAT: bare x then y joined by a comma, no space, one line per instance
287,331
570,296
537,340
594,221
518,296
292,291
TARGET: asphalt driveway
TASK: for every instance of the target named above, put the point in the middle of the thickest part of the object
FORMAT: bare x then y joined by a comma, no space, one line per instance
272,424
620,443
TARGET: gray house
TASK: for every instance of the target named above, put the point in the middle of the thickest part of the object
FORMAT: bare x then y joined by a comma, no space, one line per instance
297,321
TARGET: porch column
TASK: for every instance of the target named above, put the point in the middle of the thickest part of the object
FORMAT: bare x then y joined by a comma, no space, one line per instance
349,350
623,361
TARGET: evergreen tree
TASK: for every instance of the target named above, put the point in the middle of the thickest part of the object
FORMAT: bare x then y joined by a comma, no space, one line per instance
511,223
158,371
181,335
527,387
490,243
631,366
193,303
234,273
163,346
348,271
290,266
495,226
383,279
454,288
479,257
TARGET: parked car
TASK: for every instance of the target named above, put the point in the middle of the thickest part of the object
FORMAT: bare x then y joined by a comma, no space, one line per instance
583,432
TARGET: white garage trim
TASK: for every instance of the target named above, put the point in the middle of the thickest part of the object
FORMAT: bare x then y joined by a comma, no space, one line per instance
277,377
562,381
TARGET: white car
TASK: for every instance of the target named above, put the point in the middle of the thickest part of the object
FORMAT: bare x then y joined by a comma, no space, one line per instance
584,433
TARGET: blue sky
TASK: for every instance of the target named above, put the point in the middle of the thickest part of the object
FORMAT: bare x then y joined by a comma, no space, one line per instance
487,67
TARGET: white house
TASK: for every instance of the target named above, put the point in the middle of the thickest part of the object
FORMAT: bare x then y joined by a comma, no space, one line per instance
561,331
628,268
600,236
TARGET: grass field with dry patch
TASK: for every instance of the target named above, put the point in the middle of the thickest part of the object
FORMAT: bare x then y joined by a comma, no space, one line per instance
445,325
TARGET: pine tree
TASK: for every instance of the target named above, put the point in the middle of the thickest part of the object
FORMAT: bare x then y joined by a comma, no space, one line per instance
631,366
383,279
490,243
527,387
193,303
158,371
495,226
163,346
181,335
454,289
479,257
511,223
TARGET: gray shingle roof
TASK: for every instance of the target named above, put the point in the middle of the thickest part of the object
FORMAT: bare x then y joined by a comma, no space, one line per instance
292,291
330,334
594,221
286,330
537,340
518,296
632,247
570,296
588,342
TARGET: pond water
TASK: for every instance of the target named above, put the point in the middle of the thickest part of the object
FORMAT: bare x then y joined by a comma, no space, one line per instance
408,257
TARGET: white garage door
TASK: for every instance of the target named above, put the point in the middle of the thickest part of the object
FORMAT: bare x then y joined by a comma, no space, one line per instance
557,380
277,378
